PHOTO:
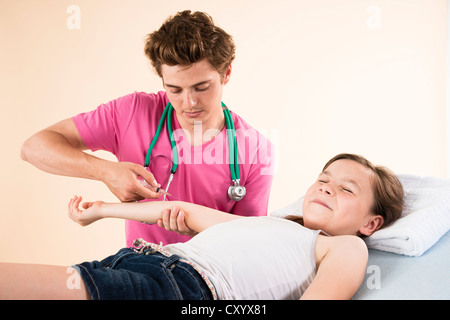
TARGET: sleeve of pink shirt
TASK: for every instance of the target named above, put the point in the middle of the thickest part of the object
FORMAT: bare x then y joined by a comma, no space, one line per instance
100,128
105,127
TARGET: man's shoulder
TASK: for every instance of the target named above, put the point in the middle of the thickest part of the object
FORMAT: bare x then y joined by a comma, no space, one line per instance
144,98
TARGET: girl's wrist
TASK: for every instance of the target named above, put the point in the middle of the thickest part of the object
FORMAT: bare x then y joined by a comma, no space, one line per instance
102,211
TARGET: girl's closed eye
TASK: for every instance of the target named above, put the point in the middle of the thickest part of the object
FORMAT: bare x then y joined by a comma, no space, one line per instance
347,190
323,179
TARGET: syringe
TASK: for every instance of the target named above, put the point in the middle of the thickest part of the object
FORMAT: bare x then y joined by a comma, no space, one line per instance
155,189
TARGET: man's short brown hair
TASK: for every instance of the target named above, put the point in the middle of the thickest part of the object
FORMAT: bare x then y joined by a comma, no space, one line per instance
187,38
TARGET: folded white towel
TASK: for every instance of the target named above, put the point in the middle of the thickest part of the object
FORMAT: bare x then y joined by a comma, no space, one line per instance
425,220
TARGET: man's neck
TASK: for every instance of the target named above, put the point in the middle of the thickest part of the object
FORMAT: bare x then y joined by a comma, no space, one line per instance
199,133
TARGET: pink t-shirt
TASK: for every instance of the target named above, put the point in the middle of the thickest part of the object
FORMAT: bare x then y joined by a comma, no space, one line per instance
126,126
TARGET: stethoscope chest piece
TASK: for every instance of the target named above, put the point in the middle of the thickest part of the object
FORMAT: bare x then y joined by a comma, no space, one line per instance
236,192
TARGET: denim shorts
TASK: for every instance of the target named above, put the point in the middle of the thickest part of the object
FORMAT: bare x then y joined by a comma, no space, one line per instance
148,275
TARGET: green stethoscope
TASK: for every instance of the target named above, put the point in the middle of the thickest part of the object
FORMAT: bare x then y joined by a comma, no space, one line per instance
236,192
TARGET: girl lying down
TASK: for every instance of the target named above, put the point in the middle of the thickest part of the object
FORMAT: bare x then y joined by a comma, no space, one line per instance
319,256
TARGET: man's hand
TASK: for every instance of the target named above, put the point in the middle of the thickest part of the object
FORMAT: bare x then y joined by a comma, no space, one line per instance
173,220
124,179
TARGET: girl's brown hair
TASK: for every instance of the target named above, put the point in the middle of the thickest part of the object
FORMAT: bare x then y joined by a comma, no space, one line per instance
187,38
387,190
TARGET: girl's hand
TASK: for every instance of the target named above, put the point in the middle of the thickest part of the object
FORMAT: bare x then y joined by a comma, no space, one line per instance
90,214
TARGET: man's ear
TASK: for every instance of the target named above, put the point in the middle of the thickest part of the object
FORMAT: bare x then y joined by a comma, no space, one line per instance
372,225
227,75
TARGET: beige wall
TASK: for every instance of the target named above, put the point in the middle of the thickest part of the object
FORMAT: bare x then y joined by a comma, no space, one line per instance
319,77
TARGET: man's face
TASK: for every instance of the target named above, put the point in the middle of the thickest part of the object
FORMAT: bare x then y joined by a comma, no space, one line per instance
195,93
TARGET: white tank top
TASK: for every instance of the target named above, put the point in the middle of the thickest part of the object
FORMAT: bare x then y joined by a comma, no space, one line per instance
254,258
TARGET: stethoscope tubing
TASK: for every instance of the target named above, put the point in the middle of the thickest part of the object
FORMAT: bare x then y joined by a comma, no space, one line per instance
231,132
232,142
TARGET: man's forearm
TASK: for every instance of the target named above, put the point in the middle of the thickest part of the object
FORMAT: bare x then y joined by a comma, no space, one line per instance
51,152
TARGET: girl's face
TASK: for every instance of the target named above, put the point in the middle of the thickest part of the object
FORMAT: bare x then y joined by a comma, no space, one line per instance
340,201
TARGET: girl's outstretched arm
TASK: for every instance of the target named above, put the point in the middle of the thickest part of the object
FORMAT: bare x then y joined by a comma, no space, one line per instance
197,217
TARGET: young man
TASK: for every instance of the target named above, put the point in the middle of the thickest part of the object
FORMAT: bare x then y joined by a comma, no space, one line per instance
193,57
